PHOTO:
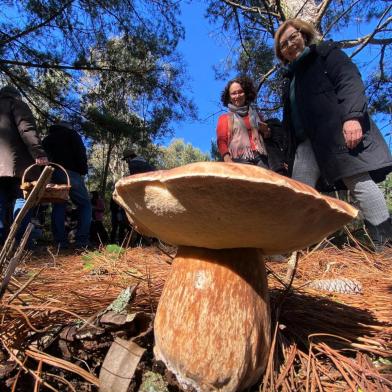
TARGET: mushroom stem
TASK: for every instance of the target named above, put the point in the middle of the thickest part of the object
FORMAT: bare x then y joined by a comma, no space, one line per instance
212,327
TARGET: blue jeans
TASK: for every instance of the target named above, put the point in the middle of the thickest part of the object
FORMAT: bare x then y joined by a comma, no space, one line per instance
19,203
11,201
80,197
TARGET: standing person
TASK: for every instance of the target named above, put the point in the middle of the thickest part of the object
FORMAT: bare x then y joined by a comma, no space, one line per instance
331,133
65,147
20,147
136,163
241,131
119,222
98,233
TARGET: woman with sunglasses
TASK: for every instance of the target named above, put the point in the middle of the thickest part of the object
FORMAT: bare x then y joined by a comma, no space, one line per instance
241,131
332,136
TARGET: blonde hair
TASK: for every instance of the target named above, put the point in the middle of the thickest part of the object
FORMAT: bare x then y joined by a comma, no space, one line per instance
310,34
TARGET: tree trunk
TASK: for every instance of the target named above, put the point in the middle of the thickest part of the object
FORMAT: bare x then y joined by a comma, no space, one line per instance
106,168
303,9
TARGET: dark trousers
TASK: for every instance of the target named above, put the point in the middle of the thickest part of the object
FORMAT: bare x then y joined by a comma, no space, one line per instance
119,227
98,233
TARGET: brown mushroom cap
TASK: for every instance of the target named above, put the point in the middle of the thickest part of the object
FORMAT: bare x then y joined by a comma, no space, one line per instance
227,205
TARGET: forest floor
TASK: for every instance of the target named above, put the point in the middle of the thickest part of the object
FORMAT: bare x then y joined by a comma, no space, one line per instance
332,326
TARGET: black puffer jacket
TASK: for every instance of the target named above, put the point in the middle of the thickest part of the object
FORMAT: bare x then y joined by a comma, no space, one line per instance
329,90
19,142
65,147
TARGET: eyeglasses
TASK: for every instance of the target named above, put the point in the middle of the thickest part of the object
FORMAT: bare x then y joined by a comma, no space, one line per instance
295,36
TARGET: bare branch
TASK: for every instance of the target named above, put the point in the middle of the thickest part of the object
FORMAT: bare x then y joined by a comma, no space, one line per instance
35,27
256,10
340,17
351,43
74,67
322,9
382,55
378,28
239,32
266,76
280,10
271,24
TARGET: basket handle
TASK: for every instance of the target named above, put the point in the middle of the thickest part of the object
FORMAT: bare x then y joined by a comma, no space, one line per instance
50,164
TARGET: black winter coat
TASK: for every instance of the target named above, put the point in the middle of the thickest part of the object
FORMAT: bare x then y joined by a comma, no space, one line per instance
19,142
329,90
65,147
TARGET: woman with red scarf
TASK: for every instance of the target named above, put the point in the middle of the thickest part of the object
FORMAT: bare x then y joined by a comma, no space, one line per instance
241,131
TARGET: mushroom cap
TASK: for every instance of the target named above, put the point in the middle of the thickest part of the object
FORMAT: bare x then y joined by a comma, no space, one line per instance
229,205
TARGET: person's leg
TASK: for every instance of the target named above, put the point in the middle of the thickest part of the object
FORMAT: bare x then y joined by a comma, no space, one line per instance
306,168
94,239
58,225
103,235
19,203
6,202
115,226
9,187
80,196
373,207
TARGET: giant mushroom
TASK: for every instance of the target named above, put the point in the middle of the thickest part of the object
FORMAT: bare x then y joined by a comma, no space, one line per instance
212,326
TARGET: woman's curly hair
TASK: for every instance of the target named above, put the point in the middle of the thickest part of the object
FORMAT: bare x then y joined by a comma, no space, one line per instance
246,84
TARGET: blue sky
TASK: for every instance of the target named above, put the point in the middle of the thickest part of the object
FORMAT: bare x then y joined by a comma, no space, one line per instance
203,48
201,51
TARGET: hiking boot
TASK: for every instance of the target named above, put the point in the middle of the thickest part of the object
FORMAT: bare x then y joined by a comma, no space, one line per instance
381,235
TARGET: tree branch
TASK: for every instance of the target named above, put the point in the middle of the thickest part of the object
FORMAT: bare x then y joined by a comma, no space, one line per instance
340,17
351,43
256,10
281,14
239,32
36,27
378,28
15,80
271,24
323,6
72,67
382,55
266,76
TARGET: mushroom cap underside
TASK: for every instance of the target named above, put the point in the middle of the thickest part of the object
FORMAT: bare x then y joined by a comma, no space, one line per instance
228,205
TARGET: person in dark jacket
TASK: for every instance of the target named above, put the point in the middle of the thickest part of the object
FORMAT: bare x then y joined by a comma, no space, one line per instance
65,147
136,163
20,147
331,133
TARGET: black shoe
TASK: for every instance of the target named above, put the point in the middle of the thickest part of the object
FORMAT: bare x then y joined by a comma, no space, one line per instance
381,235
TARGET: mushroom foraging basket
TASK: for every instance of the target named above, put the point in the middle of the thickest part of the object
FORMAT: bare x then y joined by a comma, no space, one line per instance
54,193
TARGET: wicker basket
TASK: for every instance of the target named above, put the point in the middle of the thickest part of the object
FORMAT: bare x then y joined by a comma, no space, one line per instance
54,193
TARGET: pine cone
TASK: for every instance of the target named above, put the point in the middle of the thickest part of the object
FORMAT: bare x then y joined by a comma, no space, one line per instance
339,285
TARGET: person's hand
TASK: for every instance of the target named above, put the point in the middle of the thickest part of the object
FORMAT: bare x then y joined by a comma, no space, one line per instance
265,130
227,158
42,161
352,132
